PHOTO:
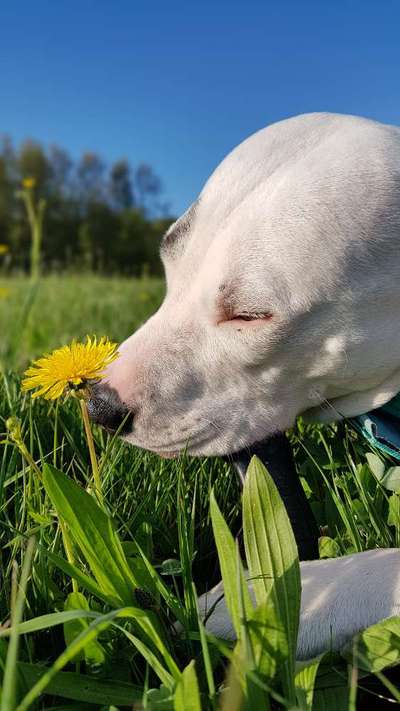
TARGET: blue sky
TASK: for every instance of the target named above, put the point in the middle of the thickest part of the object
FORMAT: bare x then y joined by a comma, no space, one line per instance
180,84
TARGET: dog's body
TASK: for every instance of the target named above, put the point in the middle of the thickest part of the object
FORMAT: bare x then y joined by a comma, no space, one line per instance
339,597
283,292
283,297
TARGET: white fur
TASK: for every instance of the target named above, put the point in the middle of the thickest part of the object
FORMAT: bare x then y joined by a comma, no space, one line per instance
340,597
302,220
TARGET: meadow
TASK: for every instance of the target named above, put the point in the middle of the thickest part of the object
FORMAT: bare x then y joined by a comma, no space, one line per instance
91,589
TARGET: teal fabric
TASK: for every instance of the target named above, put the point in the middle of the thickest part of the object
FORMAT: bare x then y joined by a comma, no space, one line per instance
381,427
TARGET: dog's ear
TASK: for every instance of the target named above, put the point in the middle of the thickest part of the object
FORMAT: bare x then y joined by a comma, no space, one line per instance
174,239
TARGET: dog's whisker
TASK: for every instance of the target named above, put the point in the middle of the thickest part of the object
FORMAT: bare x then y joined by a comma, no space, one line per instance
213,424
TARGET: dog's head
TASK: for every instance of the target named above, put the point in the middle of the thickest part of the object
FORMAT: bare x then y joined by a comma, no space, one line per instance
267,297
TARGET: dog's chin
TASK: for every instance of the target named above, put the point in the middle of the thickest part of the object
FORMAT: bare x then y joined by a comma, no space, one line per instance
204,447
210,449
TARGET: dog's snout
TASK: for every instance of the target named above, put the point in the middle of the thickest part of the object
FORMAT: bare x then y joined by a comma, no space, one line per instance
106,408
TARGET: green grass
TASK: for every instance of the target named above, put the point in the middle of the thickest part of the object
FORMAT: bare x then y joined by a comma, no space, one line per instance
161,511
70,307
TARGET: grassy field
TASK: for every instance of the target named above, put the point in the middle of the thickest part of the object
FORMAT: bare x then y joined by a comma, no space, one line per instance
162,543
70,307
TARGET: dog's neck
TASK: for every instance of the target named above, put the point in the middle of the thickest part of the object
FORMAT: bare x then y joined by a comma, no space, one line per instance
276,455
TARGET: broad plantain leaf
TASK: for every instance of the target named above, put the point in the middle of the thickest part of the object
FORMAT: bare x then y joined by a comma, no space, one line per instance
394,511
376,465
272,556
85,581
391,480
160,699
328,548
226,548
187,695
93,532
306,673
268,639
93,652
377,647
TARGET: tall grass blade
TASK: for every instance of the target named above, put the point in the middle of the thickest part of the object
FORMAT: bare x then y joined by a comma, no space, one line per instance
81,687
205,655
186,549
45,622
92,530
101,623
8,695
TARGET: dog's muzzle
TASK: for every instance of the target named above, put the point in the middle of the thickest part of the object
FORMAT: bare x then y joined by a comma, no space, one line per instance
106,409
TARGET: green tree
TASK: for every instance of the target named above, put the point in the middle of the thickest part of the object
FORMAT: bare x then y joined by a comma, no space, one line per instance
61,166
148,187
5,201
95,218
121,192
90,178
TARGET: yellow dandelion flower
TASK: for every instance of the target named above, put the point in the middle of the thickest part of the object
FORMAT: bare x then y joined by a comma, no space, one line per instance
4,292
29,183
69,368
4,248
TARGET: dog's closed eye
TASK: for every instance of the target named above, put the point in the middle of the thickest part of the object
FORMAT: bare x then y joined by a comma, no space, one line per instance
231,309
246,319
246,316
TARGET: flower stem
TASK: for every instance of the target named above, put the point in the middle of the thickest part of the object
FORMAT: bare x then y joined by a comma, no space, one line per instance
92,452
55,436
35,215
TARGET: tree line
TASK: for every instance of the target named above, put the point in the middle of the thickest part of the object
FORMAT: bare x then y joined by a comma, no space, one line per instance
97,217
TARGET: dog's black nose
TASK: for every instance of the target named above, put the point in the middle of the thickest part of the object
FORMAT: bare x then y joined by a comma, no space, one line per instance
106,408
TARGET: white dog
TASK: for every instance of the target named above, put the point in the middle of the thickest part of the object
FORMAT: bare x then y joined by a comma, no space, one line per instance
283,292
339,597
283,297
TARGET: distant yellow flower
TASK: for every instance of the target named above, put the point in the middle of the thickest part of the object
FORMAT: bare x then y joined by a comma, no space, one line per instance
4,292
4,248
70,368
29,183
